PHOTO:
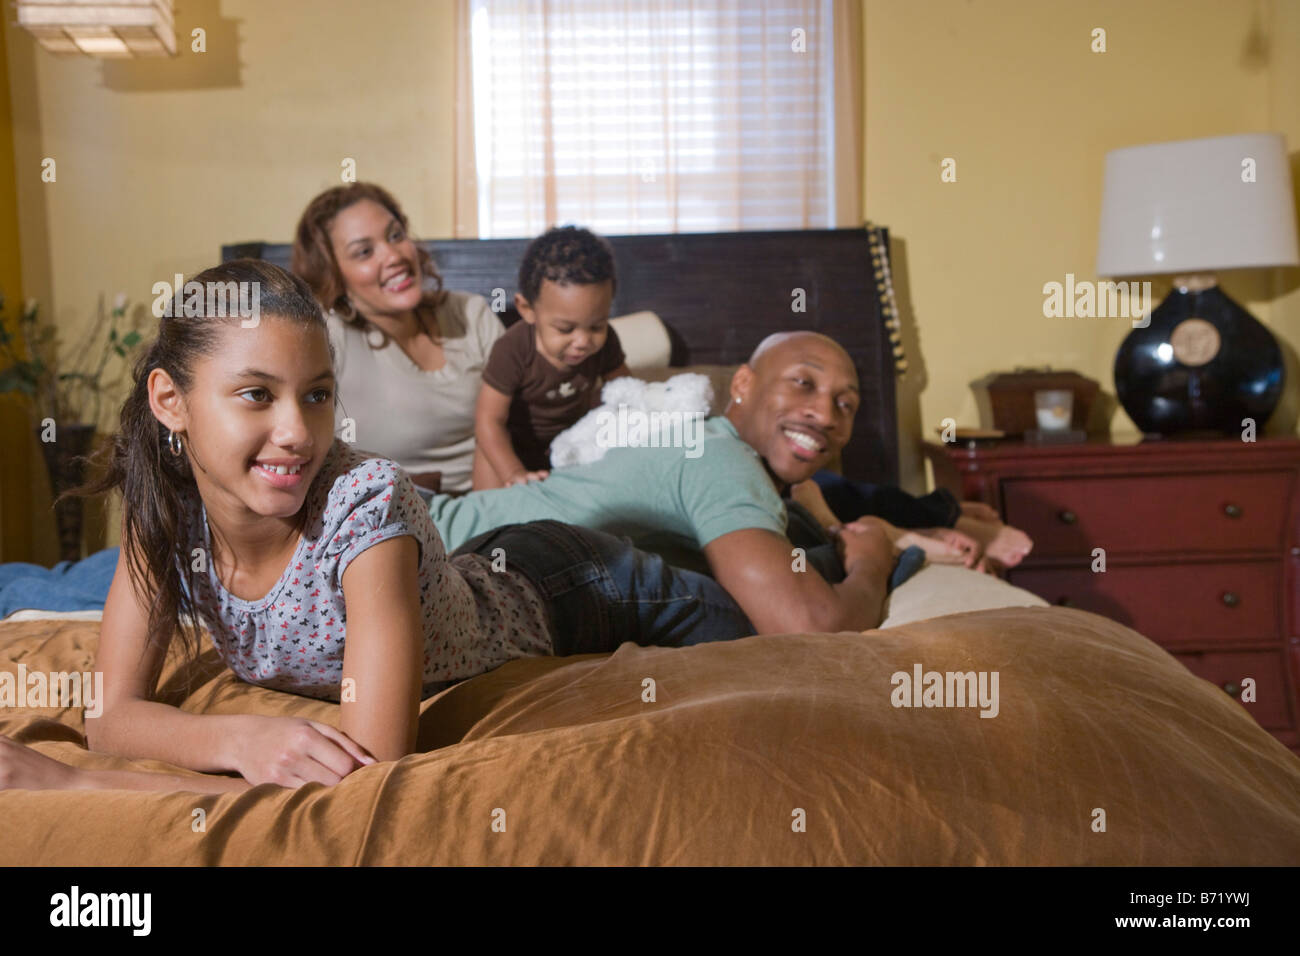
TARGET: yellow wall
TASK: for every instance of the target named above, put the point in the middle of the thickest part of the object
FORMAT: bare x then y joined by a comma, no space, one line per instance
15,512
160,161
1012,92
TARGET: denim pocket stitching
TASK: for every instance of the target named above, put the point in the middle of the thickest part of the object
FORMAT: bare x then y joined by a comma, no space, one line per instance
571,577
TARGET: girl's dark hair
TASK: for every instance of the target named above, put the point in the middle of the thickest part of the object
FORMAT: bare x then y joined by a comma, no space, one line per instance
156,484
568,255
313,256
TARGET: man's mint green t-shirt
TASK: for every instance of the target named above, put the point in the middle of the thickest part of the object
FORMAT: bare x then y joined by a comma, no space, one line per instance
665,501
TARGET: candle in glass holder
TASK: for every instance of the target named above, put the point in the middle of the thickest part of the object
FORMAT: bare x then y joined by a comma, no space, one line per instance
1055,408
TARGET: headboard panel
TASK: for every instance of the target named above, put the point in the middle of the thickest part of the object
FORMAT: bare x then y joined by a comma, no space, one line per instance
719,294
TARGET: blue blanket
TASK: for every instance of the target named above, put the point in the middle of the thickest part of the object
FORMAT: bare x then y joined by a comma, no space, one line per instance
68,586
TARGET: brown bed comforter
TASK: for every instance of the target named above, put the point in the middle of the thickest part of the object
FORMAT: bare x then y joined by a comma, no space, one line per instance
741,737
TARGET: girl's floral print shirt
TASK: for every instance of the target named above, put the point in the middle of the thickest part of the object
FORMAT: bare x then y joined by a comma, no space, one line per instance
475,619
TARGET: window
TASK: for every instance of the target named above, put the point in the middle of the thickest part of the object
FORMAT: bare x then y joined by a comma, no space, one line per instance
649,116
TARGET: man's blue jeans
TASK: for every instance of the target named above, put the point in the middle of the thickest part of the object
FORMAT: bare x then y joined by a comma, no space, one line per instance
601,591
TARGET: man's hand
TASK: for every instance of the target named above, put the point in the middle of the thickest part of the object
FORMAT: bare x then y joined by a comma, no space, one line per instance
867,539
762,571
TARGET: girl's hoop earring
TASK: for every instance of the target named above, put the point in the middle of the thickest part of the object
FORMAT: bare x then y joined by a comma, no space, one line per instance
174,444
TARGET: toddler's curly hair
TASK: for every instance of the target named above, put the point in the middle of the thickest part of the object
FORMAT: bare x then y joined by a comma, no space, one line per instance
567,255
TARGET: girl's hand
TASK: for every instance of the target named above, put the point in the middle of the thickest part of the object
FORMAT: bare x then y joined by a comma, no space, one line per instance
22,768
291,751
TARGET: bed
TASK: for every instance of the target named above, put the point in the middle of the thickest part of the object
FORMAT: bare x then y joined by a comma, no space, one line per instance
774,750
1094,746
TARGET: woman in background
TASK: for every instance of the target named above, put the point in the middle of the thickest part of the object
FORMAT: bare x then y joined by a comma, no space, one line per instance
409,355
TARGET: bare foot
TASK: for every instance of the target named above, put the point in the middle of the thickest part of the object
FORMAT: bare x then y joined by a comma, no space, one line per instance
941,545
979,511
1004,544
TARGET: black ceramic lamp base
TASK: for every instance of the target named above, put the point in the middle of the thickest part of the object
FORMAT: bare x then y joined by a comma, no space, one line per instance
1204,364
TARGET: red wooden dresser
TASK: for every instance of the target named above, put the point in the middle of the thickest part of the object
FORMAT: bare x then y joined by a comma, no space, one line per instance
1200,539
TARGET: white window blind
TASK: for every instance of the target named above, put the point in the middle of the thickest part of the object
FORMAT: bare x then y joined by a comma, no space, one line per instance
647,116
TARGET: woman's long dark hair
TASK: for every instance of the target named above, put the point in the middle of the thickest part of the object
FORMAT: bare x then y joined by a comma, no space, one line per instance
156,484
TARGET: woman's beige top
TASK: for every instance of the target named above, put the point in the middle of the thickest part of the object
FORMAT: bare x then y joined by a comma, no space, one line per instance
422,420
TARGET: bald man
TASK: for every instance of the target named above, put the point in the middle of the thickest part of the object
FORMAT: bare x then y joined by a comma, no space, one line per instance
794,403
715,510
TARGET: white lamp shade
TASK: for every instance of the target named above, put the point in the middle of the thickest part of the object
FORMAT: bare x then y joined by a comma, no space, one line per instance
1189,207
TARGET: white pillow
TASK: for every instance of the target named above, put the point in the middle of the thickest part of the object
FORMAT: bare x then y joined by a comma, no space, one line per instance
644,339
939,589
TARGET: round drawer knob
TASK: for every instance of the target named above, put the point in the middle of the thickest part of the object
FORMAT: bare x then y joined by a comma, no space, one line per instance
1232,511
1234,690
1230,599
1067,517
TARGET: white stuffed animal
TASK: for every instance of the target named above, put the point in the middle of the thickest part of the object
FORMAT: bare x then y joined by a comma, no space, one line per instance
689,394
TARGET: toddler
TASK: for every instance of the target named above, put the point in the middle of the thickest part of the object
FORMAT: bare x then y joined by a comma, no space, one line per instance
546,372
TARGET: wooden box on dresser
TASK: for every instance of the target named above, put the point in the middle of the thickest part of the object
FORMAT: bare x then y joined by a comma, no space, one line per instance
1200,539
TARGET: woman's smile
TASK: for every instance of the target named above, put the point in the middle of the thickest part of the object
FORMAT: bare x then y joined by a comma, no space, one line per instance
377,259
402,281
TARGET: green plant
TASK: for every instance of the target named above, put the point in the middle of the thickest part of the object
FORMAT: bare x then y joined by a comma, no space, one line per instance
69,391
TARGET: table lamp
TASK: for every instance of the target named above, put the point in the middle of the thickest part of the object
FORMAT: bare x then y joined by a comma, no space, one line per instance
1190,209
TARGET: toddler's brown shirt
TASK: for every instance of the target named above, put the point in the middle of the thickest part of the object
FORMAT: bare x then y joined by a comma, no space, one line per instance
544,399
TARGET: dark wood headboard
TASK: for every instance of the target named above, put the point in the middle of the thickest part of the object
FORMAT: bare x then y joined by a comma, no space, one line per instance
719,294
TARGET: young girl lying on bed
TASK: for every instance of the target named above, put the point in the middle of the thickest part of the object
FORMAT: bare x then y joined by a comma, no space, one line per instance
242,514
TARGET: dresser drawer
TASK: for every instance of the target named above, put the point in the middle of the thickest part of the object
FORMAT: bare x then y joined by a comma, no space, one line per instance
1171,604
1271,707
1151,513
